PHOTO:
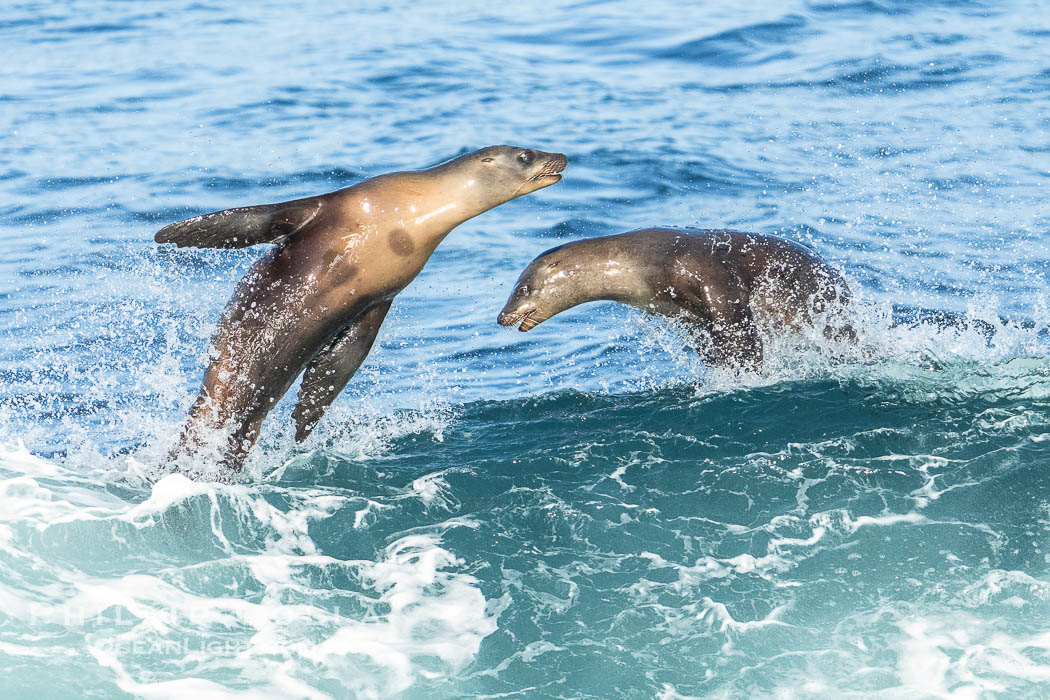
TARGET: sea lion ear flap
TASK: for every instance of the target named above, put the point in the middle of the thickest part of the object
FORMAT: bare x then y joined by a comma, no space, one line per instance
245,226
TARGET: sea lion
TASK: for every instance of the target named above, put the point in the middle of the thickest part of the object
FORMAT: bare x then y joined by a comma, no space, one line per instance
727,283
317,300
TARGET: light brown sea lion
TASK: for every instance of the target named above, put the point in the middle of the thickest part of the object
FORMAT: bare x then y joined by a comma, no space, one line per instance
727,283
317,300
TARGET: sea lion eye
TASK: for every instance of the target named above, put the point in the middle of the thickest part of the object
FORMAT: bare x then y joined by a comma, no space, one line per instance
552,265
526,157
486,160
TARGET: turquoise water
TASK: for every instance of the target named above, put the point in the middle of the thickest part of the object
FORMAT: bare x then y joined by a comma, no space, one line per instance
583,510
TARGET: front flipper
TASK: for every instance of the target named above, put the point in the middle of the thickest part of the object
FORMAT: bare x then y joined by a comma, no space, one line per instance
330,369
244,226
736,343
723,301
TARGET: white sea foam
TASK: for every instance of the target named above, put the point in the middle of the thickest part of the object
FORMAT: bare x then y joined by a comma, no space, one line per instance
962,655
910,352
716,616
260,614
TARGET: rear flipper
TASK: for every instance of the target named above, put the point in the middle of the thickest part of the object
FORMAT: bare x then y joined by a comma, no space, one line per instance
330,369
832,304
206,436
244,226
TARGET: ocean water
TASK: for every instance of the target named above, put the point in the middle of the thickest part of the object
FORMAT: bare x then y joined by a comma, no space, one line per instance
583,511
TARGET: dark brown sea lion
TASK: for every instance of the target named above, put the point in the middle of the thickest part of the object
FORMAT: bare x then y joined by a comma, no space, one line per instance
730,284
317,300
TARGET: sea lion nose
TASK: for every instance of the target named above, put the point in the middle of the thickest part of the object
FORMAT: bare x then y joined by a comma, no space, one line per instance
511,313
557,162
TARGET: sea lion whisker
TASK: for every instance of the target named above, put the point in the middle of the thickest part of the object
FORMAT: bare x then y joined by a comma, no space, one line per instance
551,168
529,320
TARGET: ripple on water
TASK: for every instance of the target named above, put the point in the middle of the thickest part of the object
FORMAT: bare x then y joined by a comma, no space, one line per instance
580,511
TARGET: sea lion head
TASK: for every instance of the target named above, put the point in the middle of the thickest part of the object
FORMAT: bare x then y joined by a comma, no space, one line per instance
506,172
546,287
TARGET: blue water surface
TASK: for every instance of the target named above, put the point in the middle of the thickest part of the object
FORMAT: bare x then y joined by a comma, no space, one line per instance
583,511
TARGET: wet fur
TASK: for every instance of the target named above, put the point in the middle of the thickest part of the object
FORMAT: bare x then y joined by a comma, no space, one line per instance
729,284
316,301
